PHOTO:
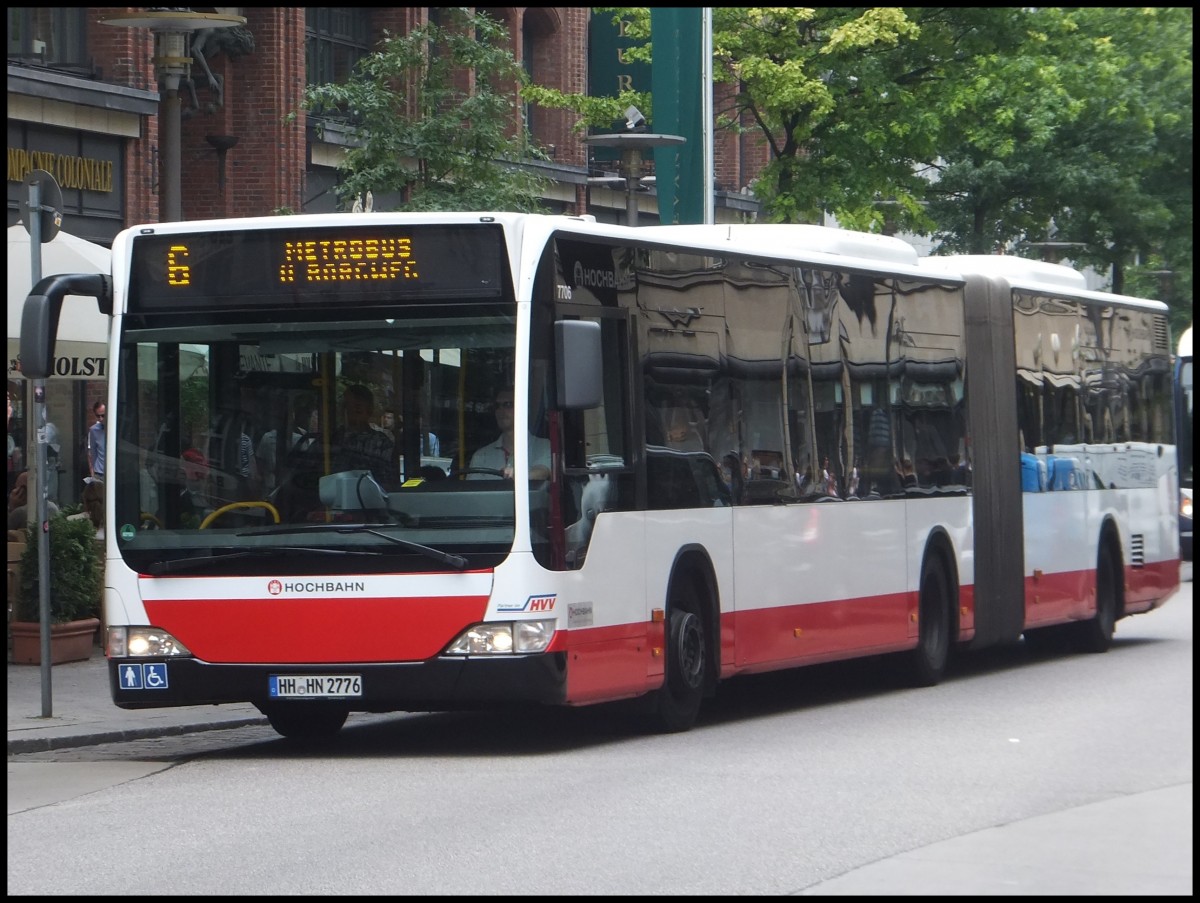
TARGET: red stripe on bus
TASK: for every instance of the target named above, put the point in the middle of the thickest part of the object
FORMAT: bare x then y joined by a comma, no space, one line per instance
1060,597
613,662
1071,595
316,630
1149,586
771,638
626,660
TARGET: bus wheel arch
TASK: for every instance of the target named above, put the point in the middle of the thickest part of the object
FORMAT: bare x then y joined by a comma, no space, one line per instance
937,613
690,643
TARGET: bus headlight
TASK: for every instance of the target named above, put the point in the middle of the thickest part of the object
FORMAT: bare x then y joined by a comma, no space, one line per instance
504,638
136,642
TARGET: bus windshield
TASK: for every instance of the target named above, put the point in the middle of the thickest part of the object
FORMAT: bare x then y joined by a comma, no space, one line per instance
308,430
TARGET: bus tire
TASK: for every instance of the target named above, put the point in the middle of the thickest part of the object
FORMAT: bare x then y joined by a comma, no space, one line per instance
927,662
1096,634
677,703
305,720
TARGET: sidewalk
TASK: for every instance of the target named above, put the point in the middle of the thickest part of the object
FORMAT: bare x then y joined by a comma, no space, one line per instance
82,712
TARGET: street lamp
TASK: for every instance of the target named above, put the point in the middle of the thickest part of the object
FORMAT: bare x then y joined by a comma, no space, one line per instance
1054,251
172,29
631,146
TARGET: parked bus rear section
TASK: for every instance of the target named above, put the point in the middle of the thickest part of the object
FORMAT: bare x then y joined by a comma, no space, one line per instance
1184,427
709,451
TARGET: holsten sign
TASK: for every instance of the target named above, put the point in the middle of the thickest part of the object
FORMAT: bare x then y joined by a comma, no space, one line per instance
72,360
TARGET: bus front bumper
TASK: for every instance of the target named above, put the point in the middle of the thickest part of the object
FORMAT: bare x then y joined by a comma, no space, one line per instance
440,684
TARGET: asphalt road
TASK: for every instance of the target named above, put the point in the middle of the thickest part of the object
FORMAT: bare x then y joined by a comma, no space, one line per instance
1019,775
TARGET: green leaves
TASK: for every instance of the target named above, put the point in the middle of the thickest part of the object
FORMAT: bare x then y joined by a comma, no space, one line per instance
76,575
428,118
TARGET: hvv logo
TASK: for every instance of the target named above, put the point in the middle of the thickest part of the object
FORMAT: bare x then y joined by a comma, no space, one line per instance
533,603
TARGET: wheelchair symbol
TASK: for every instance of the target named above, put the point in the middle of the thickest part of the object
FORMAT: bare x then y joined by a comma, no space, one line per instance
156,677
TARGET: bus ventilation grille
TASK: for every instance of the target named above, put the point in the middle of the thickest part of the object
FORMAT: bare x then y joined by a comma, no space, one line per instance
1137,548
1162,333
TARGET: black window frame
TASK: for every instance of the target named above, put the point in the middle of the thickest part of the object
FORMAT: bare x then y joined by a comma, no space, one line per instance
62,32
335,39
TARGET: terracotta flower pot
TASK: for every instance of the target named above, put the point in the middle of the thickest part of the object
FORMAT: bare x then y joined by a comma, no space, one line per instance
69,642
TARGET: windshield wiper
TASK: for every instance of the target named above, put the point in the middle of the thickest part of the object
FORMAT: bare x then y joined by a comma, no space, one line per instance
455,561
200,562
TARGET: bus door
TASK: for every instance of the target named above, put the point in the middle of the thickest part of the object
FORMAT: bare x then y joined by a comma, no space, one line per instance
598,445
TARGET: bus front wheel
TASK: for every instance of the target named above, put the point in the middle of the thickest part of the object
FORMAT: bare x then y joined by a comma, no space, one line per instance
677,702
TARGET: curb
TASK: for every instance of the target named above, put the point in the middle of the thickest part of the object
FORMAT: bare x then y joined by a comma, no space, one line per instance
46,744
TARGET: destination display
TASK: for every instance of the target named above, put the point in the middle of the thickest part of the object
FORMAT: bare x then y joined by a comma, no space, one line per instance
309,266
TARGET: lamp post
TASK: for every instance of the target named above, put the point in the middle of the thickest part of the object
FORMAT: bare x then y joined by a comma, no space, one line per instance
631,147
172,29
1054,251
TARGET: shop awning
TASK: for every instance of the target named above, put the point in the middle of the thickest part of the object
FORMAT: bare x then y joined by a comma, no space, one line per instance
82,349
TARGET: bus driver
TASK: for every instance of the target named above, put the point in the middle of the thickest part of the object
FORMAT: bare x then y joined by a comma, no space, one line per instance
498,456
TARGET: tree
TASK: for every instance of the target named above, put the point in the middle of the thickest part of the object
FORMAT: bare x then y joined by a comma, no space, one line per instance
1082,138
1132,210
430,118
989,129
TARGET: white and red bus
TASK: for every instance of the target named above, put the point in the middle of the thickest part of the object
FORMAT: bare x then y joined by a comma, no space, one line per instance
1184,426
740,449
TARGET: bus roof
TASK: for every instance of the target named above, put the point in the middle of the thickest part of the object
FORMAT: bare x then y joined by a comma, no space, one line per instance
1032,275
790,239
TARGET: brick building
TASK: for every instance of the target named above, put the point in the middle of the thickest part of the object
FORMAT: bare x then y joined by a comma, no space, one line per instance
86,104
83,91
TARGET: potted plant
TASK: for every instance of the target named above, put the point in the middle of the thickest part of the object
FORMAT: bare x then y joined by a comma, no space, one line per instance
76,584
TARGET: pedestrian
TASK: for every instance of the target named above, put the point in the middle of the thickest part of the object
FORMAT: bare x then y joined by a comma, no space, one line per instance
18,503
53,456
14,447
96,442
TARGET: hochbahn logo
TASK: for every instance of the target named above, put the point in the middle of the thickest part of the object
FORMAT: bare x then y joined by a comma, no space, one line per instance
275,587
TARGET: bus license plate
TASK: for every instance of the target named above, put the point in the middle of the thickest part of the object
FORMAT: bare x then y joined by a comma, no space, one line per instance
315,686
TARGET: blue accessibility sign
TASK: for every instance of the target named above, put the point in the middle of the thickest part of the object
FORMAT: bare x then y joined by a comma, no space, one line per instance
143,677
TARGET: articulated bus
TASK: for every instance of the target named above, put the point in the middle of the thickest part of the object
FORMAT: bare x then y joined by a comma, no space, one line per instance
1183,425
740,449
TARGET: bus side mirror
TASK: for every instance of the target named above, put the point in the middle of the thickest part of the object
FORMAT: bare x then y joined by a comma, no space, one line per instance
579,370
39,329
39,316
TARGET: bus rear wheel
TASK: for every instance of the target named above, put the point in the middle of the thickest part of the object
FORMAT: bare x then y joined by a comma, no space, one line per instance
1096,634
305,720
927,663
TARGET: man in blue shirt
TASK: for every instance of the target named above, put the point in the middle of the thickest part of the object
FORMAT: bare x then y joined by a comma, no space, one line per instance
96,442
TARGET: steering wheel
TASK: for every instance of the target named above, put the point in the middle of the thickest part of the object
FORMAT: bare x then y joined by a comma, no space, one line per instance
236,506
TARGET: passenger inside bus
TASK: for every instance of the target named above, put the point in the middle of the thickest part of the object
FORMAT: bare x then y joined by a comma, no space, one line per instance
267,452
683,429
196,503
360,446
